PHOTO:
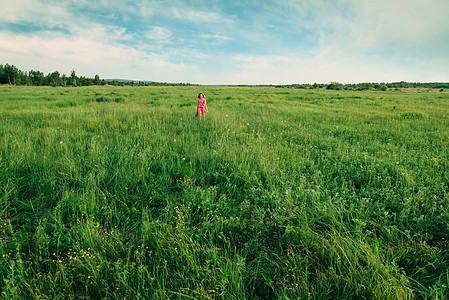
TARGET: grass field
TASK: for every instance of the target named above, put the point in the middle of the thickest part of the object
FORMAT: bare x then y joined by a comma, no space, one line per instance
121,193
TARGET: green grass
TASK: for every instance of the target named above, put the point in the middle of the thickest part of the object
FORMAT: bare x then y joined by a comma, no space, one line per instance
114,193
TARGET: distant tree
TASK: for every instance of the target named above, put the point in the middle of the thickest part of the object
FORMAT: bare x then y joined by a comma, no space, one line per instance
37,77
364,86
85,81
97,80
12,73
73,79
54,79
82,81
20,77
3,77
400,84
27,79
380,87
300,86
64,80
335,86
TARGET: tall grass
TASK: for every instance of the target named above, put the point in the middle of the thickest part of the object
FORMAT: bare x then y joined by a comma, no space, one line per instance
277,193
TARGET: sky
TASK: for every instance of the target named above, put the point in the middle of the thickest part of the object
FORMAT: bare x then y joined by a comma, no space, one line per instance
230,41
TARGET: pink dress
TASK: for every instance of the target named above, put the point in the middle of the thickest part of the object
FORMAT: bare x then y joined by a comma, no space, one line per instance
201,104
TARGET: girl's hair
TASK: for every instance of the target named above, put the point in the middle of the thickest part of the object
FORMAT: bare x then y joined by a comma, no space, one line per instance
200,95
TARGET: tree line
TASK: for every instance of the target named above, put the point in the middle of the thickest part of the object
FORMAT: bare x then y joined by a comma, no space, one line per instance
10,74
363,86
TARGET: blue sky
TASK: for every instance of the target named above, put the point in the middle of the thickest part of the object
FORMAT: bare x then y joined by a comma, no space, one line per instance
232,41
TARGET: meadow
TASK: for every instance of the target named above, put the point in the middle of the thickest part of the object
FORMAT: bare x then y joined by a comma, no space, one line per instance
278,193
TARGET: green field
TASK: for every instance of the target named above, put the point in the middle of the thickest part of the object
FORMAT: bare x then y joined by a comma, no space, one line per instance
278,193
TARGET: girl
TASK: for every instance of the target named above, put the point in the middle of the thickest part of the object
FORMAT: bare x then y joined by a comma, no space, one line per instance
202,106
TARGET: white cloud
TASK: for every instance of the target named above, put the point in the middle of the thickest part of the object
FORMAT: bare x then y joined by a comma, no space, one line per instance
358,40
328,67
385,40
18,10
373,25
49,53
216,37
160,34
89,57
35,12
400,23
199,16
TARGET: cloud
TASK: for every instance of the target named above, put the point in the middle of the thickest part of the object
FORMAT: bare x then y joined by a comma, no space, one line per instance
213,42
384,25
369,41
48,53
217,37
159,34
374,25
89,57
400,22
328,67
20,10
199,16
